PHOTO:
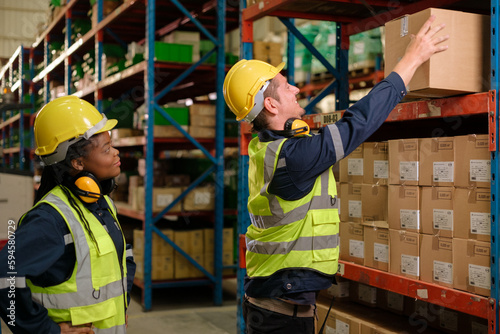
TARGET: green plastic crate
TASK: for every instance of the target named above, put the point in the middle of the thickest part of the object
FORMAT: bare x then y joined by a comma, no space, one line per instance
179,114
182,53
122,111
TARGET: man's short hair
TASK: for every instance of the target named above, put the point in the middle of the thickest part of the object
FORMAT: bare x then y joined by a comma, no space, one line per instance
261,122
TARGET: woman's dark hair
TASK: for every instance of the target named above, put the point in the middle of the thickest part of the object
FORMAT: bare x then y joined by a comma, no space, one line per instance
261,122
53,175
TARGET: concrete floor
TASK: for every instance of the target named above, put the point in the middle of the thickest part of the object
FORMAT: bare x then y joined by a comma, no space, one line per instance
182,311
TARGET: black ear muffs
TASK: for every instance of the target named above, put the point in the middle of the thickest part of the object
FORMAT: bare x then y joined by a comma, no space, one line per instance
89,189
294,127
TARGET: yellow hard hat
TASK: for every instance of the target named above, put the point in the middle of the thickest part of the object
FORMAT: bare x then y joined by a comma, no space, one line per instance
244,87
64,121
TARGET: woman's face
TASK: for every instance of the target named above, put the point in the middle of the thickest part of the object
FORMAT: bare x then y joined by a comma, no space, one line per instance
102,159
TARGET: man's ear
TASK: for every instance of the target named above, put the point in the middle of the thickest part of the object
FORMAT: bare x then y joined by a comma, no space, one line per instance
271,105
77,164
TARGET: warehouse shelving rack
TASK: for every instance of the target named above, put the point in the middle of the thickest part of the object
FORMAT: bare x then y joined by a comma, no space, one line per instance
153,83
354,17
15,78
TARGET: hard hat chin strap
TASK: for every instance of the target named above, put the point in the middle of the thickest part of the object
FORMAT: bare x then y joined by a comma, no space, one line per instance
258,103
62,149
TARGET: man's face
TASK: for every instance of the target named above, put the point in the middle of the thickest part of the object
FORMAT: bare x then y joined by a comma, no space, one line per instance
288,105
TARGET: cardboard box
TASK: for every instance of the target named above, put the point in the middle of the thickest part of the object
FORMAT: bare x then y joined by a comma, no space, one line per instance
203,121
471,266
168,131
185,37
403,162
267,51
437,211
190,241
376,243
404,208
391,301
376,163
200,199
202,131
374,202
338,291
436,254
158,246
350,203
200,109
405,253
436,161
227,240
227,260
352,243
472,214
477,325
363,294
162,267
351,167
463,68
472,161
185,269
162,197
338,321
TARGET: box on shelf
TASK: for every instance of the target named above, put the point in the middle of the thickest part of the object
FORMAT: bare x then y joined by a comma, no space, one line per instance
182,53
472,214
203,121
403,161
352,247
350,203
363,294
227,240
162,267
179,113
267,51
405,253
338,291
159,246
200,199
391,301
192,242
186,37
125,133
374,199
351,167
376,163
177,180
162,197
201,109
168,131
472,161
338,321
436,260
463,68
436,161
185,269
202,131
404,208
376,244
437,211
471,266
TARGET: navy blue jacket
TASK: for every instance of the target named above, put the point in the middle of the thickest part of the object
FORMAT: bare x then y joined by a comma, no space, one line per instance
42,256
308,157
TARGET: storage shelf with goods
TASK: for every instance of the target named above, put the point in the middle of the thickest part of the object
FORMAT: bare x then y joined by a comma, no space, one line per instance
16,106
469,114
135,60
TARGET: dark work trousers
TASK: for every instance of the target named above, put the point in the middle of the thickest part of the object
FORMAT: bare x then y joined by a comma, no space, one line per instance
262,321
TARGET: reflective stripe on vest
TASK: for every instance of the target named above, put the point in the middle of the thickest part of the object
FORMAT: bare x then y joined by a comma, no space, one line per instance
300,244
105,304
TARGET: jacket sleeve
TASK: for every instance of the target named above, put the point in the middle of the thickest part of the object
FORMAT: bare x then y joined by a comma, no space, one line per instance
130,271
36,245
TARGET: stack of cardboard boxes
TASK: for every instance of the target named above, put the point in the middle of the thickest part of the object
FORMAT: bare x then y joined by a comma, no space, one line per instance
170,264
432,222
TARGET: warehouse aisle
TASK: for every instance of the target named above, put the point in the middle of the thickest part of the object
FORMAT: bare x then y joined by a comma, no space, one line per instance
182,311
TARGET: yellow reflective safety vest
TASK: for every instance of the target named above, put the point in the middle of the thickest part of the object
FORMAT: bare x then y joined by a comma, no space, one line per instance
96,291
303,233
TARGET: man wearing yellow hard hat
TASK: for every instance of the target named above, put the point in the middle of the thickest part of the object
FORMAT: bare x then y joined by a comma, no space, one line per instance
73,271
293,241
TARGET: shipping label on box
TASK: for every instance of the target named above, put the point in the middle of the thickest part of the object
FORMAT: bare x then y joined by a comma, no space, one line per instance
351,167
471,266
350,204
436,260
352,243
403,161
437,211
445,74
404,208
404,254
472,161
472,213
200,199
436,161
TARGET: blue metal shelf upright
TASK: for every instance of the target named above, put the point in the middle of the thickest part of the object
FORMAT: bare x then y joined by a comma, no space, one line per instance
354,17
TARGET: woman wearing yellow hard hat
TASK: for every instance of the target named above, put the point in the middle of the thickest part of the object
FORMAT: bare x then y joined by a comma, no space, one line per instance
70,270
293,240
